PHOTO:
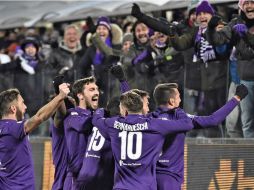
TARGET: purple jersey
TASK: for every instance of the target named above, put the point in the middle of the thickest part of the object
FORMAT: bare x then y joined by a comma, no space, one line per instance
16,165
97,171
60,156
77,126
171,161
136,142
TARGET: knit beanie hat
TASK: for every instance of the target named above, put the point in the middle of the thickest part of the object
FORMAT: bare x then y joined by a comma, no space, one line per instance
127,37
30,41
104,21
205,7
240,4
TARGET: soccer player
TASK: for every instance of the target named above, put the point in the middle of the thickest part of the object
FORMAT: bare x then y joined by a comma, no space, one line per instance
78,125
97,170
16,167
59,147
170,167
136,142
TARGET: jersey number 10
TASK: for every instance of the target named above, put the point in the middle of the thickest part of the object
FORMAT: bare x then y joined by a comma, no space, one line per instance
128,147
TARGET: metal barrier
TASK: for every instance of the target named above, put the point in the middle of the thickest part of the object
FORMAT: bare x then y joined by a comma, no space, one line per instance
213,164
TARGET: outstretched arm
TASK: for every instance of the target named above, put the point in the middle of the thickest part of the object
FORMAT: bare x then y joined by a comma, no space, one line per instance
48,110
218,116
150,21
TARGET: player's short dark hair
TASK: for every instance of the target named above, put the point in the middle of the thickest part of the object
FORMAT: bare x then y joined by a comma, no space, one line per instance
7,97
163,92
142,93
113,106
78,86
132,101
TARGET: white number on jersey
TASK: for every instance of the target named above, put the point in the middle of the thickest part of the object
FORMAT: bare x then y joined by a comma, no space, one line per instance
97,140
127,140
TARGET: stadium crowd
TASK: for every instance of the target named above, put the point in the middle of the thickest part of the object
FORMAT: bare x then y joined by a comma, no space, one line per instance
147,51
122,109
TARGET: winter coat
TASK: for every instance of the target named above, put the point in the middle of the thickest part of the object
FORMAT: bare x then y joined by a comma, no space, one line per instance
64,61
244,45
213,74
35,87
101,72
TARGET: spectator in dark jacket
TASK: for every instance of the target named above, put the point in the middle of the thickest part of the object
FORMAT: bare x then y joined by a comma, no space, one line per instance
97,64
239,32
66,57
213,67
29,75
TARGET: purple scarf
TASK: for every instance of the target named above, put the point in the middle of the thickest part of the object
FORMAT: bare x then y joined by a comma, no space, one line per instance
32,61
205,51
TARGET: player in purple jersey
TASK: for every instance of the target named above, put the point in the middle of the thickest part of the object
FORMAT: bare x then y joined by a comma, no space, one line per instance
136,142
59,147
170,166
97,170
78,126
16,167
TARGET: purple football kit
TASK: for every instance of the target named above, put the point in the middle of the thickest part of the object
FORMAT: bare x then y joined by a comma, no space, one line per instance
16,164
78,127
170,166
60,157
97,170
136,142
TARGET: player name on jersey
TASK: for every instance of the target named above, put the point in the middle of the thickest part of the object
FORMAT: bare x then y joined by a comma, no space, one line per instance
128,127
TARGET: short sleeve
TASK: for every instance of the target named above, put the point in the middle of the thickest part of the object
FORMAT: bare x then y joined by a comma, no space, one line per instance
17,130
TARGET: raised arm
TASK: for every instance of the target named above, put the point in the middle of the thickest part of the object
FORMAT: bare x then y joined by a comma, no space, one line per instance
48,110
150,21
173,126
118,72
108,51
218,116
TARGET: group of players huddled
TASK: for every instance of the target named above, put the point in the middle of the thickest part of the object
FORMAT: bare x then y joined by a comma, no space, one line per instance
121,147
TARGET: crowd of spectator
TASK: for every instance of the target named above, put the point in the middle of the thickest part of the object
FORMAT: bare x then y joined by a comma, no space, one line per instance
193,52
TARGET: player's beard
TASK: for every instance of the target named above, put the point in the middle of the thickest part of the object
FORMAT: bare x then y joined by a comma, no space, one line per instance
19,114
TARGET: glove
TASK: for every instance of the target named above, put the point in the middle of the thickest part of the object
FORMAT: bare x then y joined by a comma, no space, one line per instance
240,29
90,24
118,72
214,22
135,11
241,91
172,30
59,79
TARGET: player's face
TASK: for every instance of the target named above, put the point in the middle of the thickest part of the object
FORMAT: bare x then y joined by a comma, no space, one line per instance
141,33
20,108
30,50
91,95
145,105
103,32
248,8
71,38
203,19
